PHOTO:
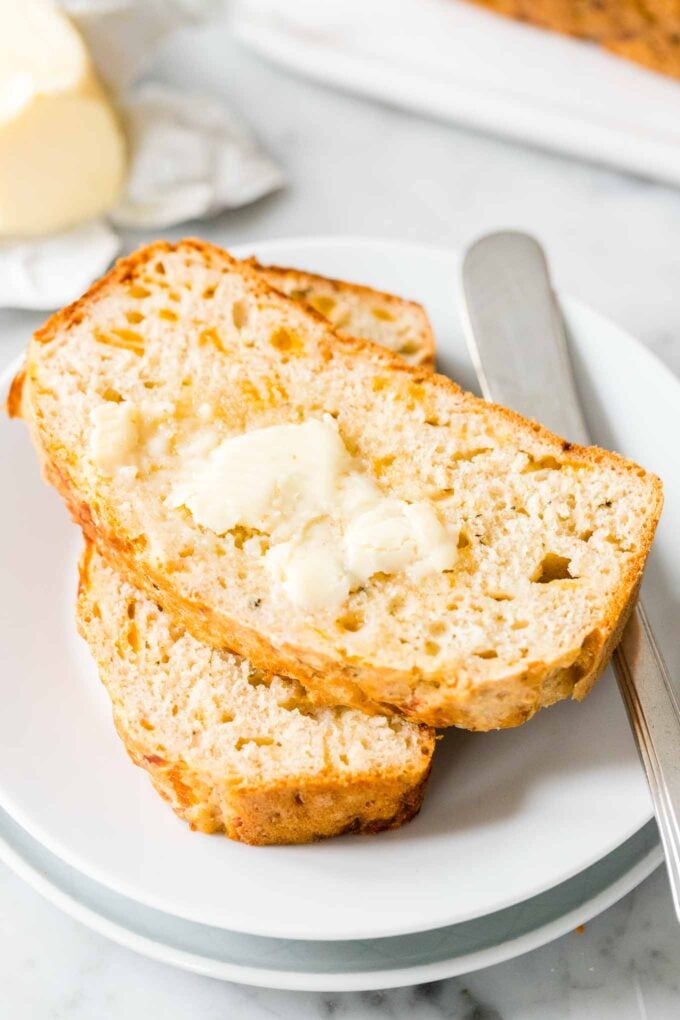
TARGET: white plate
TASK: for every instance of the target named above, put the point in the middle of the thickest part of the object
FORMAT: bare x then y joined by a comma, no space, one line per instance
470,66
508,815
332,966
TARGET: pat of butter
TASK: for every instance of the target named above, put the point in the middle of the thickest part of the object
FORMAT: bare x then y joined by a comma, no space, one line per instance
273,479
136,436
62,154
310,568
115,436
395,536
330,528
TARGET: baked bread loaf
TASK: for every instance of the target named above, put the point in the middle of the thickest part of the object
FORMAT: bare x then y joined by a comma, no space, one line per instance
235,749
393,322
646,31
517,556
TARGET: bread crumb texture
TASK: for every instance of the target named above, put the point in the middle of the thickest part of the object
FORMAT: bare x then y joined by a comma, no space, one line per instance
235,748
552,538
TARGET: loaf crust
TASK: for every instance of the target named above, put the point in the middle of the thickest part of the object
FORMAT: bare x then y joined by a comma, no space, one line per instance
483,696
355,310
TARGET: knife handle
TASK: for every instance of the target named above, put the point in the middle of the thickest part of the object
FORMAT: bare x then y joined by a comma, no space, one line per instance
654,716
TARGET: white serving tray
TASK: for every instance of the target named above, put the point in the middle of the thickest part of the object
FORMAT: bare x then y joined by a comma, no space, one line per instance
450,59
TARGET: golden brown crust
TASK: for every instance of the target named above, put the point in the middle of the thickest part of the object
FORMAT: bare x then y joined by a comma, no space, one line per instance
301,813
645,31
484,705
14,397
498,703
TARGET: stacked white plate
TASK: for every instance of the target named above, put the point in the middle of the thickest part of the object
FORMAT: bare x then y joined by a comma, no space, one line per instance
524,834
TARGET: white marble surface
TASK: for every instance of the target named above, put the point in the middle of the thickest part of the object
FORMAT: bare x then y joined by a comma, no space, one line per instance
358,168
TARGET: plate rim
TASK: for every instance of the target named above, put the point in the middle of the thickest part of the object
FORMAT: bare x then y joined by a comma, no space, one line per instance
318,981
313,243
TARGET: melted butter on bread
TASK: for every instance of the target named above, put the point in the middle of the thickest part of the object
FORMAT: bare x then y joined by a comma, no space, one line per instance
328,526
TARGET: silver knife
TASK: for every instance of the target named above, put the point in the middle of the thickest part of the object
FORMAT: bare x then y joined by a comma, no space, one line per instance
518,346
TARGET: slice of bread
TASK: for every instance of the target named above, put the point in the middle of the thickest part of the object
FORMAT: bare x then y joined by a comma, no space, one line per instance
354,310
233,748
552,538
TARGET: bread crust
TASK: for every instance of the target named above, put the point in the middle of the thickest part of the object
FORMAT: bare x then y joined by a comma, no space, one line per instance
305,812
423,358
438,698
15,394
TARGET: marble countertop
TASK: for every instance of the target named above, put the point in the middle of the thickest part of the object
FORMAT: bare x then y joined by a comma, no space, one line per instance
356,167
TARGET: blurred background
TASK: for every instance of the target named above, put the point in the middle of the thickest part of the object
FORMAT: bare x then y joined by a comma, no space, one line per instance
342,157
431,121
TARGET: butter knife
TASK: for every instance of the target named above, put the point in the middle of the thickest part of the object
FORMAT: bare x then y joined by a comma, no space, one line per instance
518,346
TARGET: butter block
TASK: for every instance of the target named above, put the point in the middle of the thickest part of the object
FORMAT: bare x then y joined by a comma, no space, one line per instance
62,152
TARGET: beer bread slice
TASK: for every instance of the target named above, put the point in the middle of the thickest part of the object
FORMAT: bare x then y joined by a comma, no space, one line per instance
236,749
552,538
393,322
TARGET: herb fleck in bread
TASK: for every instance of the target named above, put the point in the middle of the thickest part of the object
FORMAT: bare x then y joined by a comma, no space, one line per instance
401,326
235,749
552,538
